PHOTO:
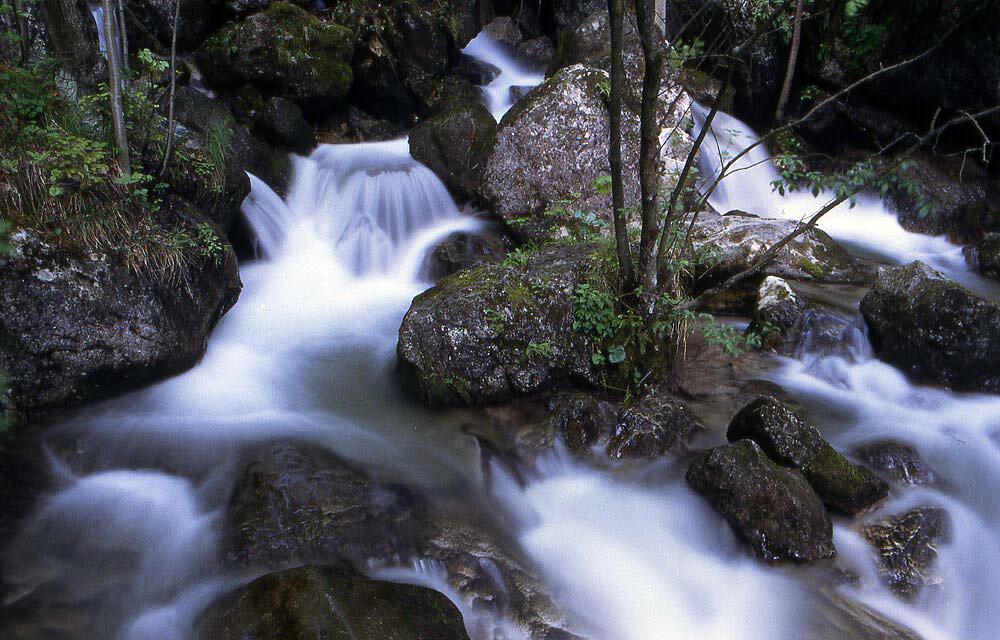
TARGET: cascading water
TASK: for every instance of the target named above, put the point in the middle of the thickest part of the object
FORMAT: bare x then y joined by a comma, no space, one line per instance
859,400
513,74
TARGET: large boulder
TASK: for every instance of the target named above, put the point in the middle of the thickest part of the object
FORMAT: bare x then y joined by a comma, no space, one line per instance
331,603
299,504
487,334
553,144
75,328
906,546
282,124
284,51
152,20
790,442
652,427
771,507
454,145
934,329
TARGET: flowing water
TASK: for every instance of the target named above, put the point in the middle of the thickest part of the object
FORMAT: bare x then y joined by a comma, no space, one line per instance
133,535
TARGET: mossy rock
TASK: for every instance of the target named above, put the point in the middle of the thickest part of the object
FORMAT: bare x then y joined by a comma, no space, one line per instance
331,603
791,442
283,50
454,145
489,334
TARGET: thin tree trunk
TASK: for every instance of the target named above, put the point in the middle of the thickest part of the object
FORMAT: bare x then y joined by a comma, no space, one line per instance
124,34
22,30
793,56
115,88
173,87
649,141
626,268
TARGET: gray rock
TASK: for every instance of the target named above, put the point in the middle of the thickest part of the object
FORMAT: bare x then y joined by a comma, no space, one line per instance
331,603
934,329
790,442
505,31
536,52
896,461
454,145
772,508
78,328
906,547
777,314
488,334
650,428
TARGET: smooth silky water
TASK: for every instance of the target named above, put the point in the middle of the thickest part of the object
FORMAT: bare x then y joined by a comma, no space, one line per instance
307,353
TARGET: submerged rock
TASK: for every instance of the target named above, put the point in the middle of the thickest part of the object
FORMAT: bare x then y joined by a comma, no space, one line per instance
454,145
282,49
773,508
896,461
652,427
331,603
300,503
790,442
934,329
906,546
76,328
488,334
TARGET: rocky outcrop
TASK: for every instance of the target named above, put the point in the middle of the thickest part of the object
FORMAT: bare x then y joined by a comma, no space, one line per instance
652,427
906,547
454,145
897,462
284,51
75,328
733,242
934,329
487,334
327,602
771,507
776,315
790,442
553,144
300,504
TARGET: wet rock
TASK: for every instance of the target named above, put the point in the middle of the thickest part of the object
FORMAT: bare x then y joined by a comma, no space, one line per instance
790,442
282,124
155,17
777,314
896,461
518,92
300,503
475,71
731,243
505,31
771,507
283,50
328,602
454,145
934,329
957,193
488,334
76,328
654,426
536,52
906,546
554,143
984,256
464,251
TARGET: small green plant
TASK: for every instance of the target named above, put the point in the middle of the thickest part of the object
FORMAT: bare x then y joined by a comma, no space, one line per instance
538,350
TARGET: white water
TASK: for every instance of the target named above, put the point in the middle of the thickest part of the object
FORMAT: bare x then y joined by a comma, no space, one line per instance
307,353
859,400
869,227
513,72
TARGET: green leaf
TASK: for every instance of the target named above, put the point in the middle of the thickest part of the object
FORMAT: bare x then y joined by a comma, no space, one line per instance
616,354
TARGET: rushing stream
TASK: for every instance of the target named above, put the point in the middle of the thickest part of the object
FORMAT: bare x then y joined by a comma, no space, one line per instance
308,354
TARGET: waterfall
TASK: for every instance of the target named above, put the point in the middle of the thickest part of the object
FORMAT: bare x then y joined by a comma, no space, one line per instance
499,93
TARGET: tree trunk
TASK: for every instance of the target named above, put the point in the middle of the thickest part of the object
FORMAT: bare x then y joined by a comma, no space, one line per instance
793,56
22,30
173,87
73,37
649,141
626,268
124,34
115,88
